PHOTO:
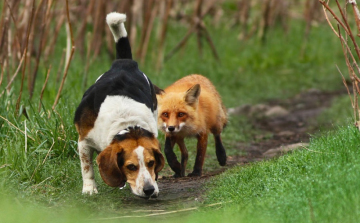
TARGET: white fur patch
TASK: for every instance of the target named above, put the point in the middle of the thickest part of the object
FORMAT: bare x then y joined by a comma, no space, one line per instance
123,132
177,128
99,78
117,113
116,21
144,177
146,79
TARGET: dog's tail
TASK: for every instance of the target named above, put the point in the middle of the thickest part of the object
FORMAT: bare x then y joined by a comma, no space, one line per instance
116,23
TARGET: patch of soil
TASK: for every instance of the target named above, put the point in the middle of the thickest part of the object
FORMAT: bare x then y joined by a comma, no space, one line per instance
286,128
286,124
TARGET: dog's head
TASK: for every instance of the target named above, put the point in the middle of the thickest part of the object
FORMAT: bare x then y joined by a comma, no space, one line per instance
133,156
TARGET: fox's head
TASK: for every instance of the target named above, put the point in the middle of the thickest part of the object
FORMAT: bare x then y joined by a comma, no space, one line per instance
178,110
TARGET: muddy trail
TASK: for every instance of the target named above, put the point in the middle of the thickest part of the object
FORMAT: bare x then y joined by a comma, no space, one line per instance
289,123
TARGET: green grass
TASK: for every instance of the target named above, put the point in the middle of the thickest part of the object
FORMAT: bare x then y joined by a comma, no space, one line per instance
318,184
44,169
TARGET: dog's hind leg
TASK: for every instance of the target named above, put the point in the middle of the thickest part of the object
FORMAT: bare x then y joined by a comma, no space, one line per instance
171,156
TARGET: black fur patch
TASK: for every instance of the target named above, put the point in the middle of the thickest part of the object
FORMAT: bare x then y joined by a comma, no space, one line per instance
124,79
123,49
134,132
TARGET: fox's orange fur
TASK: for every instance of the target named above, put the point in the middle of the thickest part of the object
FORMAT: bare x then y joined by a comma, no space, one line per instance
191,107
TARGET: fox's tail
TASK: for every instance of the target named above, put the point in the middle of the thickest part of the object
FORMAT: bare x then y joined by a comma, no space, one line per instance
116,23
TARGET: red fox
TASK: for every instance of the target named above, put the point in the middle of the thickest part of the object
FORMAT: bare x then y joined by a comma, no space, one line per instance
191,107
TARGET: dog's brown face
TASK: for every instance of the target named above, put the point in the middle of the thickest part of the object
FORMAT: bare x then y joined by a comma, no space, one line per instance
132,158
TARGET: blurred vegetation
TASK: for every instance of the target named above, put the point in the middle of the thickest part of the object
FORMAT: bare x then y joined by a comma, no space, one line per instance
276,51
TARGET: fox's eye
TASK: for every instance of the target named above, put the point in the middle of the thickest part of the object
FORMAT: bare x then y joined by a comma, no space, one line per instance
165,114
131,167
181,114
151,163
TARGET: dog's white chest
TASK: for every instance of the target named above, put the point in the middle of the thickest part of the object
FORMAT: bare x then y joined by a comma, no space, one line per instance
117,113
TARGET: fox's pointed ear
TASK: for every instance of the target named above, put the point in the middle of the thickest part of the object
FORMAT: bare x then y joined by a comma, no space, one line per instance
192,95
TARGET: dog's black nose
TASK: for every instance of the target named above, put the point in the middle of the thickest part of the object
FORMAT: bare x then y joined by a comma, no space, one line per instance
171,128
149,190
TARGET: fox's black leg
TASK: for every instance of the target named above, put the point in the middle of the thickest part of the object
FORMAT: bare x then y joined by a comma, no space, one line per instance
220,151
184,155
171,157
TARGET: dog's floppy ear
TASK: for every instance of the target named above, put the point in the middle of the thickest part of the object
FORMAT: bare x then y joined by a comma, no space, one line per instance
192,95
159,160
110,162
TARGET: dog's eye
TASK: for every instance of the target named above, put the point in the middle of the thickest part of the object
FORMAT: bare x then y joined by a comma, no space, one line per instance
181,114
165,114
131,167
151,163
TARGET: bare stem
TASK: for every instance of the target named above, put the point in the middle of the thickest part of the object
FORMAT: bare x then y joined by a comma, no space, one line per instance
70,58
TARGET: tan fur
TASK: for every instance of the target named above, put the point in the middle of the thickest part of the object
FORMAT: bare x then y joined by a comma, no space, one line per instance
115,175
193,111
86,123
209,114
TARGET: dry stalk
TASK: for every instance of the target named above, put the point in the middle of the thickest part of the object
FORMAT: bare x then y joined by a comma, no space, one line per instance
99,27
61,64
50,47
147,5
17,128
161,212
145,44
15,25
199,27
44,86
25,54
357,50
357,15
351,64
243,17
163,33
198,7
16,72
70,33
3,67
39,51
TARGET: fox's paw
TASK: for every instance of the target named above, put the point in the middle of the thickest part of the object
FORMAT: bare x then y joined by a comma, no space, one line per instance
222,159
195,174
176,175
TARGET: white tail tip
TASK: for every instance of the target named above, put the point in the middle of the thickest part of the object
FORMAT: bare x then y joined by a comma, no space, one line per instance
116,21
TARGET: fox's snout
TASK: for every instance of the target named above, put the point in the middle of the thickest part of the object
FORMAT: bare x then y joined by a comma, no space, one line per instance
171,128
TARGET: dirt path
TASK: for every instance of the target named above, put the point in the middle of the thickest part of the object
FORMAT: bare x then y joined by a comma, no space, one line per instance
289,122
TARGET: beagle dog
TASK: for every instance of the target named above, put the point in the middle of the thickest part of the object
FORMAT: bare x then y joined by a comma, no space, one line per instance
117,118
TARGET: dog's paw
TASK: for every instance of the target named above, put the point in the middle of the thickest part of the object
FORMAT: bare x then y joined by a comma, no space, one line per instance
89,187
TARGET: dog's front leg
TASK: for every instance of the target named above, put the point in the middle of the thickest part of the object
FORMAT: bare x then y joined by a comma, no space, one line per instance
171,156
200,155
87,171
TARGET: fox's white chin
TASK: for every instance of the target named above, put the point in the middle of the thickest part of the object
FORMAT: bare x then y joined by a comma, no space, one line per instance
173,129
